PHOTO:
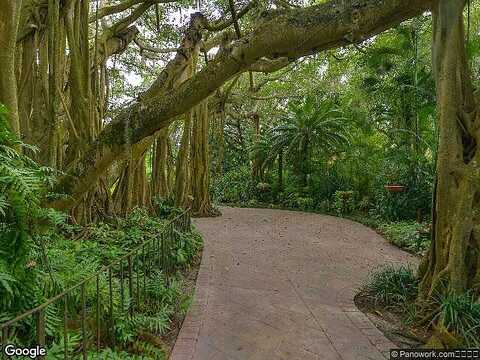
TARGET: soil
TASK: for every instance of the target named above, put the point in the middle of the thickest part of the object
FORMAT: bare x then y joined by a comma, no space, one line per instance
391,323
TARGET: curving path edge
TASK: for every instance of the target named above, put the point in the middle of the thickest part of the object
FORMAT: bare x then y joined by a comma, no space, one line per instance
277,284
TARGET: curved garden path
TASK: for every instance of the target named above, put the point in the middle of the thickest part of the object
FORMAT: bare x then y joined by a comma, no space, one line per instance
279,285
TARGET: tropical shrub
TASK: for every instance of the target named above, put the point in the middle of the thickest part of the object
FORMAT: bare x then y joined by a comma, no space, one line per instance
235,186
344,202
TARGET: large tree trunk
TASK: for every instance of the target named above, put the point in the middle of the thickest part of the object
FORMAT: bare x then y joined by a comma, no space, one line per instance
132,189
181,172
257,161
453,262
160,185
200,179
9,20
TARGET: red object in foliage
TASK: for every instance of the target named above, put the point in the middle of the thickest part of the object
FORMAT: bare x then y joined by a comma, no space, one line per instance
395,188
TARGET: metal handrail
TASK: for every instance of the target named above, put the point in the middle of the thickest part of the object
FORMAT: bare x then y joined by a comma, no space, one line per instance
180,222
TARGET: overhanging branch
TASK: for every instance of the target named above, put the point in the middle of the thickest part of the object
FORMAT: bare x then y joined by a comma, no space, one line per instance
123,6
288,33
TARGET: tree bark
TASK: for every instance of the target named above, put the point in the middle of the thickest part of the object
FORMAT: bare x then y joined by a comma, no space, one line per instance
181,172
200,169
160,166
9,21
453,262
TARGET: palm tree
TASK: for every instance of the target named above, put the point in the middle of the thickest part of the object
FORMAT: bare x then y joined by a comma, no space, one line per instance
310,125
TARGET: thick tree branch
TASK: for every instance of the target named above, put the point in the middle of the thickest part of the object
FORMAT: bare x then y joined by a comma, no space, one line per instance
123,6
288,33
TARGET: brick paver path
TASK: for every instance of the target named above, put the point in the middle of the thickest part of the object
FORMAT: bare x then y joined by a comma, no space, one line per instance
279,285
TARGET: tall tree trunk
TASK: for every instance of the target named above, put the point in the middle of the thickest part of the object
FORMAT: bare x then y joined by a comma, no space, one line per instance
256,163
9,20
219,136
132,189
181,173
26,88
160,166
200,163
453,262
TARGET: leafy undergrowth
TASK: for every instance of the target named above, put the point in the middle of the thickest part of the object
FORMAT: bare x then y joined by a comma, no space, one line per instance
411,236
66,254
389,299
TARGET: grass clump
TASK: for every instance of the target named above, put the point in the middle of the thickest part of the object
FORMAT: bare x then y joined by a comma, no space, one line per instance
460,316
392,286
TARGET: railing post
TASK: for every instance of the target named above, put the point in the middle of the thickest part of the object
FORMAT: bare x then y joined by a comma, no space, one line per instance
136,263
40,324
65,331
98,313
110,296
130,285
84,322
122,293
4,341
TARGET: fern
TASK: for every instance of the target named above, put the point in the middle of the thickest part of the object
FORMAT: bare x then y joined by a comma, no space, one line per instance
57,349
22,187
147,350
157,324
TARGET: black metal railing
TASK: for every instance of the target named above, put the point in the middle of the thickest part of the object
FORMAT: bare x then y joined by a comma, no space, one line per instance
89,308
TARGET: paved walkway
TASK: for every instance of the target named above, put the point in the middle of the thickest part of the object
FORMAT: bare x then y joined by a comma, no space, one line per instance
279,285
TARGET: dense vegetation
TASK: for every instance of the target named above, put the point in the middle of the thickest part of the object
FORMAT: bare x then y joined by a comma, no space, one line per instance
44,253
118,111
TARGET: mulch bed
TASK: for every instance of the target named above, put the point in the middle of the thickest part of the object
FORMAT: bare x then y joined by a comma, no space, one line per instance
391,323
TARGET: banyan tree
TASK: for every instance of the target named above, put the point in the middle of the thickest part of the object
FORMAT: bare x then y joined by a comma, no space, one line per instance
55,82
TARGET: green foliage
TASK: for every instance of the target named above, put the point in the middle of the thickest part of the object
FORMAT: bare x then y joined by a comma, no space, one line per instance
392,286
109,354
352,125
460,314
63,255
235,186
298,201
407,204
310,126
165,208
344,202
411,236
23,185
57,350
186,247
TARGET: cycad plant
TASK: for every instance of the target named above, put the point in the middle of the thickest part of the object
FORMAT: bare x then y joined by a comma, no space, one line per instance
310,126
